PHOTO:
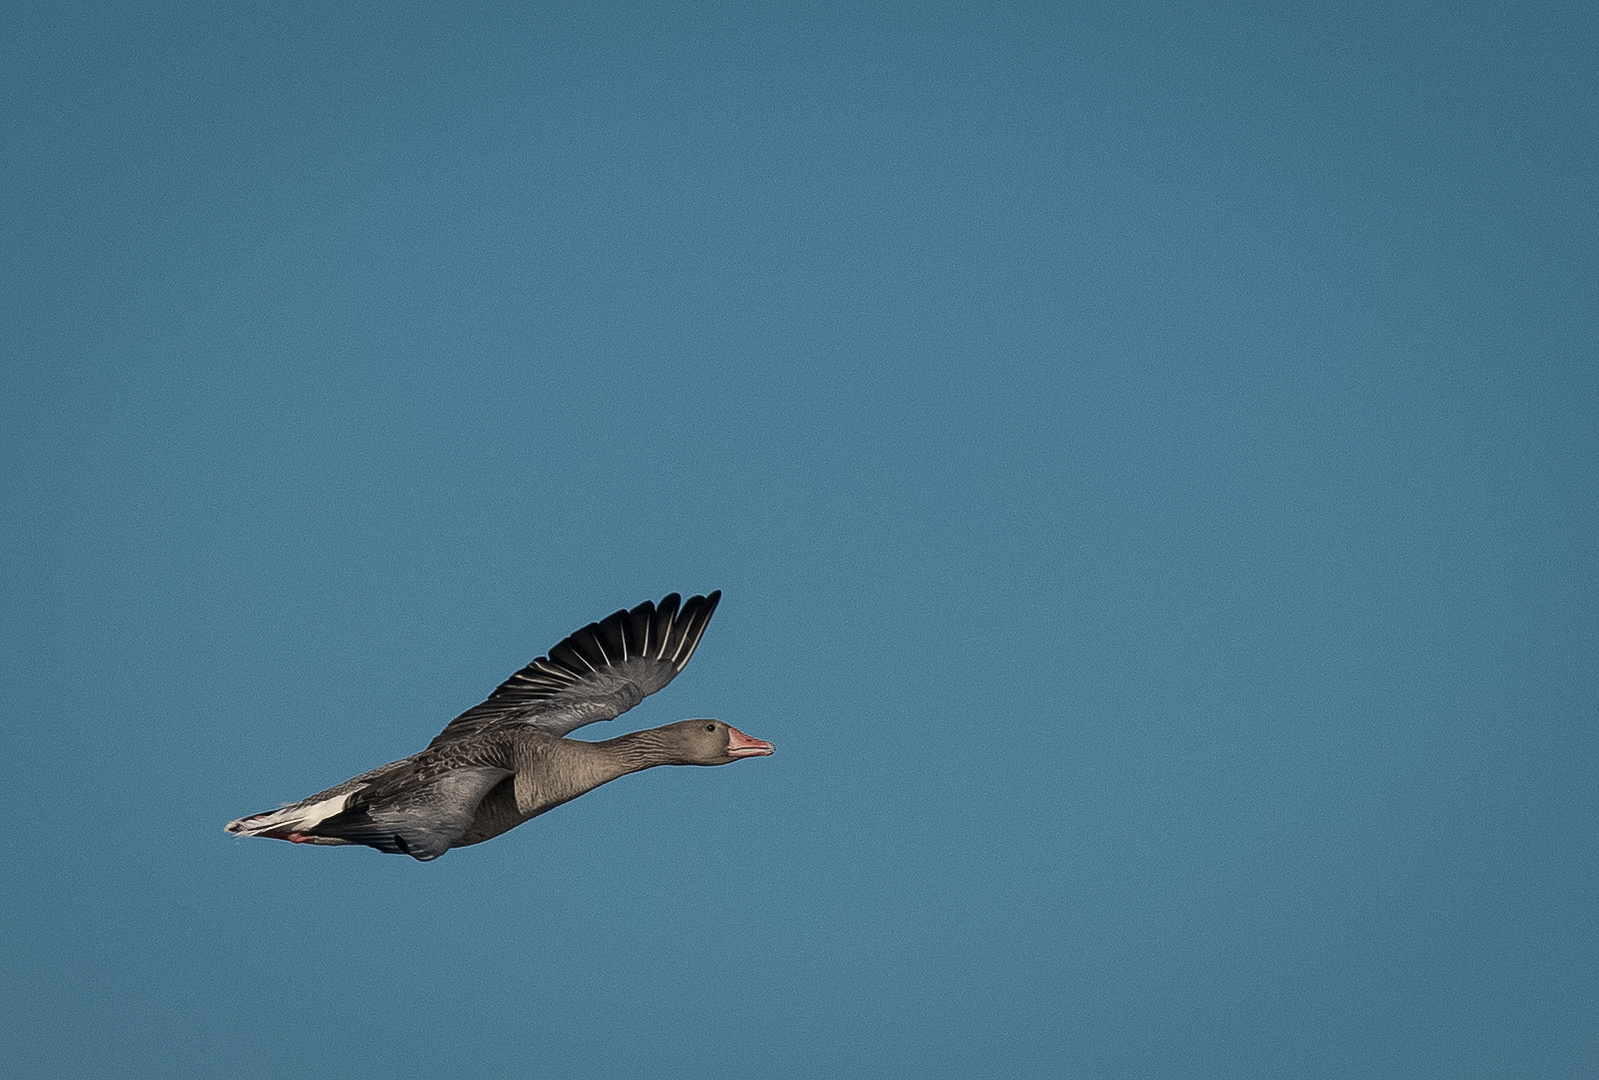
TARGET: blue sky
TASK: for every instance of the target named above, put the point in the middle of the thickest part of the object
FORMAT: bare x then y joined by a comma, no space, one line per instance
1149,455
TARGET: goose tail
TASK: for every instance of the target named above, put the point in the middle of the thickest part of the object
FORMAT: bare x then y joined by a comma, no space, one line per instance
296,822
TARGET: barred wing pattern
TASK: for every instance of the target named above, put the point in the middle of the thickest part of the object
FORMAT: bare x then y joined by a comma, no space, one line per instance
597,673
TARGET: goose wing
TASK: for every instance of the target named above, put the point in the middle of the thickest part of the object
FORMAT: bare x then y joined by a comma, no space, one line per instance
420,818
597,673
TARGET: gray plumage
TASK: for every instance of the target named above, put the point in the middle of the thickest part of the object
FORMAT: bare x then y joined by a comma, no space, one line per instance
508,760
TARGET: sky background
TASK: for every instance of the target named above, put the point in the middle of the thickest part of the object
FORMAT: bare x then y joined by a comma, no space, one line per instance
1149,451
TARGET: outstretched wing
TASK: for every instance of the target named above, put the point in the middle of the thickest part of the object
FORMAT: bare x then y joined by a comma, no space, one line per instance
598,673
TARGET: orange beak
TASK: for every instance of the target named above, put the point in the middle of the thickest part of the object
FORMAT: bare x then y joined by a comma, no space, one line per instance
741,745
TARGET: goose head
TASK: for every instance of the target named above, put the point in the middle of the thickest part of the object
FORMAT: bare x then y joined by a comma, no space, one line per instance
710,742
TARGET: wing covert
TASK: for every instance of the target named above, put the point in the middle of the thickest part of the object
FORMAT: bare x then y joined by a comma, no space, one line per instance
421,818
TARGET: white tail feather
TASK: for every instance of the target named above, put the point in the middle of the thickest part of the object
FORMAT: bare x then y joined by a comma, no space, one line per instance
295,818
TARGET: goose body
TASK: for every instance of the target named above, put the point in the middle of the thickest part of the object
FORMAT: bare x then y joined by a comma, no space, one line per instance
509,759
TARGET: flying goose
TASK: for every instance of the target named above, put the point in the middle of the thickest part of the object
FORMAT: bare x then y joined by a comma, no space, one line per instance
509,759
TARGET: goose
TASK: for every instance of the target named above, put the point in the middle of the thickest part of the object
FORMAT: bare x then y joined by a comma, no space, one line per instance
509,759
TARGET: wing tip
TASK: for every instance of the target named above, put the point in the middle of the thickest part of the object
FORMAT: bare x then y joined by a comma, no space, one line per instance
697,614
